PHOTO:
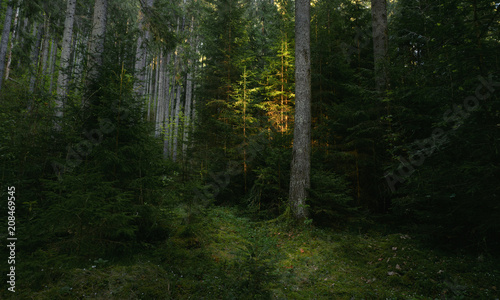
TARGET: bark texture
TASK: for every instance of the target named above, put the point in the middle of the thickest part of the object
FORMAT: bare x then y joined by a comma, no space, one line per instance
141,52
301,153
379,24
98,35
62,80
5,40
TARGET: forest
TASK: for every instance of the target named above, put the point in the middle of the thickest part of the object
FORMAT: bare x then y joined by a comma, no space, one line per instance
250,149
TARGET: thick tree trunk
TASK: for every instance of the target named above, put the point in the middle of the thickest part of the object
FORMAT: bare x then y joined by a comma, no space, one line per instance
301,153
5,40
62,80
98,35
379,24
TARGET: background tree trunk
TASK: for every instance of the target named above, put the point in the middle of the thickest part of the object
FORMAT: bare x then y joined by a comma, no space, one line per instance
15,34
5,40
98,35
35,56
141,52
379,24
62,80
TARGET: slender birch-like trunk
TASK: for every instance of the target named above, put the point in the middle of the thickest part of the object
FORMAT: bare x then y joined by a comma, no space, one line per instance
35,56
166,97
151,88
189,94
14,38
159,95
176,123
141,53
160,101
79,56
187,109
5,40
52,63
24,28
96,47
45,52
62,80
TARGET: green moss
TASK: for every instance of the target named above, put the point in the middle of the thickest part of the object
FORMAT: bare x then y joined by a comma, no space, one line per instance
235,258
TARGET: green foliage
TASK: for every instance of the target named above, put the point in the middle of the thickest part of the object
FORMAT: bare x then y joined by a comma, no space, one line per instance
329,198
139,281
271,177
437,69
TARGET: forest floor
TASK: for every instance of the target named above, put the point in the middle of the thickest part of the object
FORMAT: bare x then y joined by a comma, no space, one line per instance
221,255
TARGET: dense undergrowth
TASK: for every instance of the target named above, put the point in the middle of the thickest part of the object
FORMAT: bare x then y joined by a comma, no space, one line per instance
221,255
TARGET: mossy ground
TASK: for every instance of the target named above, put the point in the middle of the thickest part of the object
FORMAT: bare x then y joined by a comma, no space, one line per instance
220,255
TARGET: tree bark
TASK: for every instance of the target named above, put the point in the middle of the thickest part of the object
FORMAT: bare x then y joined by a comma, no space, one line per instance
141,53
187,109
52,63
189,93
62,80
5,40
98,35
35,56
379,24
301,153
159,101
45,52
14,38
176,123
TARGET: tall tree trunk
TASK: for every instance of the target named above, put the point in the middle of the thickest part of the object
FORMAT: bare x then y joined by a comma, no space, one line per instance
52,63
187,108
159,101
98,35
156,89
168,105
141,53
5,40
14,38
379,24
169,134
62,80
176,123
79,53
24,29
189,91
45,52
35,57
301,153
151,88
